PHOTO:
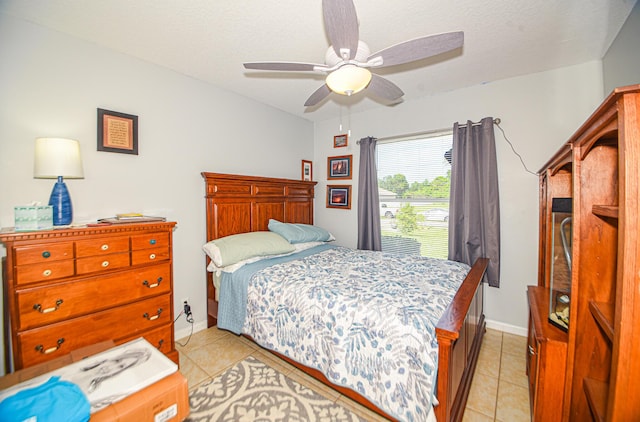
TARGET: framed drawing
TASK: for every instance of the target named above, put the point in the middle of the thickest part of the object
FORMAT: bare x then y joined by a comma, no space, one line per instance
339,196
307,170
117,132
339,167
340,141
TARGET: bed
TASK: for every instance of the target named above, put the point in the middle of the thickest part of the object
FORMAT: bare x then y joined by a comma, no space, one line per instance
237,204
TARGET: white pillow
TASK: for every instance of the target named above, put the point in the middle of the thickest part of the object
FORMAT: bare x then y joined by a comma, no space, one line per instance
231,249
234,267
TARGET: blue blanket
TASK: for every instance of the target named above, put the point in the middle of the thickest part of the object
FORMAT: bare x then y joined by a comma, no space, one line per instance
232,304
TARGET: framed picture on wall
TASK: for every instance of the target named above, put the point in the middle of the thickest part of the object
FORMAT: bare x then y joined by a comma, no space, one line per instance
340,141
307,170
117,132
339,167
339,196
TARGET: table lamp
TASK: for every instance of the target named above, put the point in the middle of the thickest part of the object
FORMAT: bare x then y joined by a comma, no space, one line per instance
56,158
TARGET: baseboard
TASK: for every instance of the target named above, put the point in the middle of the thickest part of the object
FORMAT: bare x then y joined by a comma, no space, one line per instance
184,332
507,328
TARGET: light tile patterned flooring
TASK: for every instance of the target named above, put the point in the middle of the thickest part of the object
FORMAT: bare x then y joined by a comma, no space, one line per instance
500,388
499,391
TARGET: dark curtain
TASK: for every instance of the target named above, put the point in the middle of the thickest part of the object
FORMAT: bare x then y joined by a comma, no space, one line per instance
474,213
369,233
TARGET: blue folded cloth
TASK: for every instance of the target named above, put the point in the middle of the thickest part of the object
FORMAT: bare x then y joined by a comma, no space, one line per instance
54,400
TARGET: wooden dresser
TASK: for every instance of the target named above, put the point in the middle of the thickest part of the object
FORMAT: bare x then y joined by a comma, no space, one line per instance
69,288
546,359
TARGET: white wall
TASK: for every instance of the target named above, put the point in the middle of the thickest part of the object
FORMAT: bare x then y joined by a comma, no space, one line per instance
51,85
621,64
538,111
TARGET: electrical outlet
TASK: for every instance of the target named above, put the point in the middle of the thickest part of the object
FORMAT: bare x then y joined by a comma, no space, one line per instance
186,307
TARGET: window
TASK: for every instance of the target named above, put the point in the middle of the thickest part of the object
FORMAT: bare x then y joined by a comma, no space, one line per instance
414,178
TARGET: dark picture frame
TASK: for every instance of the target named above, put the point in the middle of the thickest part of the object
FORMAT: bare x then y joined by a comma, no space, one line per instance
307,170
340,141
117,132
339,167
339,196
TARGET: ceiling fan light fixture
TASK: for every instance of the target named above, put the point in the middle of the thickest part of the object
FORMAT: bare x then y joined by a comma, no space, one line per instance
348,59
348,80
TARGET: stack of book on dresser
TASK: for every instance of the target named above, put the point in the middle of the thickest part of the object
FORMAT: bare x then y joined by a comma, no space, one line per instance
130,218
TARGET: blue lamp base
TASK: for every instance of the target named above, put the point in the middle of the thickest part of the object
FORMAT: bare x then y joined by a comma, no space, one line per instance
61,203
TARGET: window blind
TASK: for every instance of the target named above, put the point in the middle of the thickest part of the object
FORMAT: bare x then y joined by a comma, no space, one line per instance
414,178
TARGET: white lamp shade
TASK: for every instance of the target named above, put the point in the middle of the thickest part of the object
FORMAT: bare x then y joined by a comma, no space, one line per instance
349,79
57,157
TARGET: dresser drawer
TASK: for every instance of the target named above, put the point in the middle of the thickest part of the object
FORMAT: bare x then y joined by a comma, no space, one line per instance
160,338
46,343
150,240
99,247
42,305
102,263
41,253
149,256
44,271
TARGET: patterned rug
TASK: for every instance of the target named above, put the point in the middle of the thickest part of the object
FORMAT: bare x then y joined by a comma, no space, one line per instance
253,391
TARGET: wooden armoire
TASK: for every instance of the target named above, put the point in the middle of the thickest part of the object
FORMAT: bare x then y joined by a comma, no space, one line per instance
599,168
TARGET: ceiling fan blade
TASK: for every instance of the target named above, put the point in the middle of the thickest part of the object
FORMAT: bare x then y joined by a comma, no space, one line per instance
384,88
419,48
319,95
341,24
287,66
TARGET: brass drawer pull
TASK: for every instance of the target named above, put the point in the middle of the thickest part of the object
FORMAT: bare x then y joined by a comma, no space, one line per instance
41,349
152,256
104,247
152,317
531,350
46,254
105,264
38,307
151,286
47,273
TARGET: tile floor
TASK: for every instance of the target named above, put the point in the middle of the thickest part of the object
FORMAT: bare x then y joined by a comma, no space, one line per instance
500,387
499,391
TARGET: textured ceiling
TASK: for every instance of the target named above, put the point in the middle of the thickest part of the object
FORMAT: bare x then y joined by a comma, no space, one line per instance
210,39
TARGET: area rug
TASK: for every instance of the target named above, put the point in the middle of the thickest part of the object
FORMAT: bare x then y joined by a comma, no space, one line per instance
253,391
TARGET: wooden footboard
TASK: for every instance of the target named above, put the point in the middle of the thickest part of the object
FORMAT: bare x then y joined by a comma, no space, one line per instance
460,332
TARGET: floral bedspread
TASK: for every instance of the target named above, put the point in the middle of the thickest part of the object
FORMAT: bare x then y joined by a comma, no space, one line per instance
364,319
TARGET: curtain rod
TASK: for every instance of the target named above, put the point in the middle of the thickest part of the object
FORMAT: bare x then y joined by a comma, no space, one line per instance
496,121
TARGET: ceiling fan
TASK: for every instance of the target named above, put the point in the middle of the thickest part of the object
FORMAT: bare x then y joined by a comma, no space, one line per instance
348,59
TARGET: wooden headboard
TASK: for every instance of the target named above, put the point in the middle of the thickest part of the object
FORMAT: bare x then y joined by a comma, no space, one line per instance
240,204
